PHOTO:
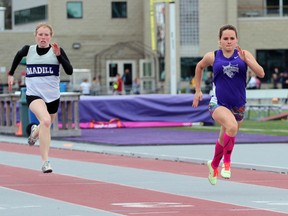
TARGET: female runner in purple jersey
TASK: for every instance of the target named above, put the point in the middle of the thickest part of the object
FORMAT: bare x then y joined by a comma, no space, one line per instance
227,105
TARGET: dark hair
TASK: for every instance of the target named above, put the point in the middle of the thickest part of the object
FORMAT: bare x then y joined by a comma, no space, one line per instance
227,27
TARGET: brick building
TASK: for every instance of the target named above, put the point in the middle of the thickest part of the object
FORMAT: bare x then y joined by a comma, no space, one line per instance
106,36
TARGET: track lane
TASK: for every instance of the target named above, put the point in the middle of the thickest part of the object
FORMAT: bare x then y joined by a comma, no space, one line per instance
126,200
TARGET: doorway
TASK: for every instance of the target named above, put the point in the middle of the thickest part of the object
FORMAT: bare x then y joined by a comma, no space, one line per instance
147,77
118,66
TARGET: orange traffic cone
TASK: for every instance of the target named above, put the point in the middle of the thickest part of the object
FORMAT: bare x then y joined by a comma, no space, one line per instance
19,132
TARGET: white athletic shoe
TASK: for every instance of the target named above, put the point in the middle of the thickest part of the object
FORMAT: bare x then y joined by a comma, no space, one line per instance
46,167
34,135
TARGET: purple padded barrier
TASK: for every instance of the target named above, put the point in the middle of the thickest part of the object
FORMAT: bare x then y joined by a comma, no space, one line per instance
144,108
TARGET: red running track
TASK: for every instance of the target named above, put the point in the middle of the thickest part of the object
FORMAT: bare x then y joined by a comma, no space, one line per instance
112,197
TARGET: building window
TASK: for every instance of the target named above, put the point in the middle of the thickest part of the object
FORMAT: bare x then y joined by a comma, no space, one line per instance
259,8
30,15
285,7
277,7
119,9
272,6
270,59
188,66
74,10
113,70
189,22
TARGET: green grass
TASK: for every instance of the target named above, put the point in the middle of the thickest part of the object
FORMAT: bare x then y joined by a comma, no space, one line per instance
274,127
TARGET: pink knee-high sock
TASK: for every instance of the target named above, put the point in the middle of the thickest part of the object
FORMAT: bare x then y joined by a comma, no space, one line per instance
218,154
228,145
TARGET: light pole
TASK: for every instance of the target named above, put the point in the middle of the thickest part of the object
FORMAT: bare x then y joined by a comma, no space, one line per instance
172,40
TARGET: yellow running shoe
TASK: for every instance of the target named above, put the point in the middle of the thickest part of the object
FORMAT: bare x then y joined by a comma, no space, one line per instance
226,171
213,173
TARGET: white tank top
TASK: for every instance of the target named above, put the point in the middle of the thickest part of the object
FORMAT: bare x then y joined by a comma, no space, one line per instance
42,75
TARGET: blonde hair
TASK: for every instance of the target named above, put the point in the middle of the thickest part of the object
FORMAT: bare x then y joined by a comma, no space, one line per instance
45,25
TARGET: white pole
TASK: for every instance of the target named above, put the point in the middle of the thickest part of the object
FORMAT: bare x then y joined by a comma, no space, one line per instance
2,18
173,77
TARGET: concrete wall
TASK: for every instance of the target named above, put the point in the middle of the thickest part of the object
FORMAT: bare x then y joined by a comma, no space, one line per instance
25,4
97,19
263,33
213,15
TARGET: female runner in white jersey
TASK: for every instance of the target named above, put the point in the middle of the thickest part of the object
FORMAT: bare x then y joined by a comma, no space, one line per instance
42,81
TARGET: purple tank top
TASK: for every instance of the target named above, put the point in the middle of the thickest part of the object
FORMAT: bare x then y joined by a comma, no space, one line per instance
230,80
